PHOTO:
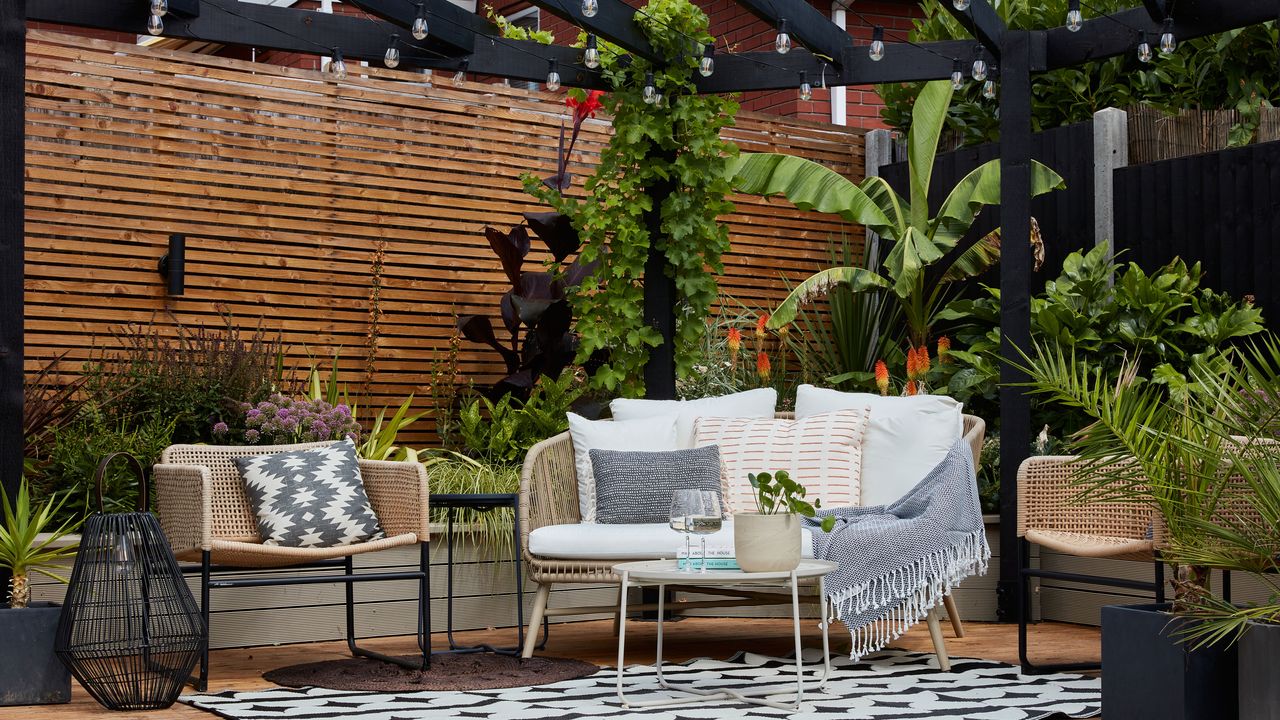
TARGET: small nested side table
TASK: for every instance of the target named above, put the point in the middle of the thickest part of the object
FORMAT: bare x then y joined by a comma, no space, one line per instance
453,502
661,573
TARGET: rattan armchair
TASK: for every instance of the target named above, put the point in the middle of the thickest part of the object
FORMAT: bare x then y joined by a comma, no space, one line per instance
1051,515
549,496
206,517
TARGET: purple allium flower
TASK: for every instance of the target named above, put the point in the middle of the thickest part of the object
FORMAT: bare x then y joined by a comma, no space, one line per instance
251,435
253,412
220,429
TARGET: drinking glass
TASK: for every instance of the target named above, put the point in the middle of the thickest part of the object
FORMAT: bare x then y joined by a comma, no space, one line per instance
707,521
685,505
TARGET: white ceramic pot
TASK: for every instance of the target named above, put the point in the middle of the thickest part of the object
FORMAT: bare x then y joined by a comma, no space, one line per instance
767,543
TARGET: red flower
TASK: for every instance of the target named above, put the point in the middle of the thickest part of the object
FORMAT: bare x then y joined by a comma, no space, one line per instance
763,368
912,388
761,322
922,361
735,342
913,367
882,377
585,108
944,349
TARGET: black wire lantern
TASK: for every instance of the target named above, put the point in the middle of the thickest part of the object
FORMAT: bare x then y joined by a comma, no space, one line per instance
130,630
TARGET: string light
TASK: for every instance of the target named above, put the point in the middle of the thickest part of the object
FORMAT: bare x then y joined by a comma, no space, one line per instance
707,64
1075,20
591,56
590,8
876,50
337,68
461,76
957,75
989,87
649,93
160,7
782,43
960,5
806,90
419,28
1168,43
979,65
553,78
392,56
1144,47
155,25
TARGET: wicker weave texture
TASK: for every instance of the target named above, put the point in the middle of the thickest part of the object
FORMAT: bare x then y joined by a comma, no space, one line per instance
1050,512
549,496
202,505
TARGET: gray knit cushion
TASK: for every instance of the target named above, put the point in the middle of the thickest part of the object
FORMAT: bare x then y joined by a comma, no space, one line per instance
637,487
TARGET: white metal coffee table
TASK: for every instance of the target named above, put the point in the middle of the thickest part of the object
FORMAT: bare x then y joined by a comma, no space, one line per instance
660,573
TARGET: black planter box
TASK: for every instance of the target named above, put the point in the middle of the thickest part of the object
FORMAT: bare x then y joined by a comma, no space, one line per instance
30,674
1260,673
1148,675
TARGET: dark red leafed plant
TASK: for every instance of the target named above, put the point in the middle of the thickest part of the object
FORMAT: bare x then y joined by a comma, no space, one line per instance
583,108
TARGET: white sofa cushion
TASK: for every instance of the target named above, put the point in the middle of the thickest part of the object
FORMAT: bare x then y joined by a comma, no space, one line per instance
592,541
906,436
650,434
758,403
821,452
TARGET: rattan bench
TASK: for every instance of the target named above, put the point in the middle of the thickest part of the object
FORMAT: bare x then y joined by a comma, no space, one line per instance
549,496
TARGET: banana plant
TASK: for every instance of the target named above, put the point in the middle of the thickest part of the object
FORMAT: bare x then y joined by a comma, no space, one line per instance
924,258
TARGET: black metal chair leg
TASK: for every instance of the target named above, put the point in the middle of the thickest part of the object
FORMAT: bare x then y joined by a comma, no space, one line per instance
202,684
1159,572
424,604
424,619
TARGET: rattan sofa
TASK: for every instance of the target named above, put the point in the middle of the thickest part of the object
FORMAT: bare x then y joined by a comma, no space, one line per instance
207,518
549,496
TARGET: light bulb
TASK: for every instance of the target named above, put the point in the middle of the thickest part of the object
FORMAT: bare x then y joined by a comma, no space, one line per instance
989,89
160,7
960,5
707,64
876,51
1144,49
155,25
1075,20
337,68
957,75
782,43
392,56
806,91
459,77
1168,43
419,28
649,93
591,56
590,8
979,69
553,79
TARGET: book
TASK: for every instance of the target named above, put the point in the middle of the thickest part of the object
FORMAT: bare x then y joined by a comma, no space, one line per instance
713,563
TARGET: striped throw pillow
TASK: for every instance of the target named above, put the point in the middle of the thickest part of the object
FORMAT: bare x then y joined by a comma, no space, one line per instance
821,452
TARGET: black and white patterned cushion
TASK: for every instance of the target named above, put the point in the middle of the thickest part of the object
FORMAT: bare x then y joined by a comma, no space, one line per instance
636,487
310,498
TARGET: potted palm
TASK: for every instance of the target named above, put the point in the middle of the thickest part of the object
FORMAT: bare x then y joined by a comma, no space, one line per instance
30,544
1189,447
769,540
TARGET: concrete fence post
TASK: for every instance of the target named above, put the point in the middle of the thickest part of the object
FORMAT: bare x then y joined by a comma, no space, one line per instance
1110,151
879,153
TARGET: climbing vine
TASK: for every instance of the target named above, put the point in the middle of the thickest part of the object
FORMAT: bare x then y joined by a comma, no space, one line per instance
675,140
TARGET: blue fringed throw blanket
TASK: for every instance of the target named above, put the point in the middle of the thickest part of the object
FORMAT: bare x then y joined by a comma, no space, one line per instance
897,561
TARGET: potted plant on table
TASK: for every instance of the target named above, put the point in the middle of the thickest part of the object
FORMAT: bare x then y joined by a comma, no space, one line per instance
30,674
1202,452
769,540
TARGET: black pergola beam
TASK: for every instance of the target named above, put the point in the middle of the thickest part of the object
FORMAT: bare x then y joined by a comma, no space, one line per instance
806,25
982,22
614,21
443,18
1105,37
904,63
1157,10
13,68
523,60
260,26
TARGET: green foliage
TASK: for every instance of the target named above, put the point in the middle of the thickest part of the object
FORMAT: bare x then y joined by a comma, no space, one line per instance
673,144
79,446
1234,70
21,551
924,260
517,32
501,432
777,493
1165,322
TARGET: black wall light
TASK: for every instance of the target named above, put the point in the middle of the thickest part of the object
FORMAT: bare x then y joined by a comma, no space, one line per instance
173,265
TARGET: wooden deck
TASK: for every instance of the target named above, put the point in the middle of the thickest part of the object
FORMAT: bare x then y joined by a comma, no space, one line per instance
241,669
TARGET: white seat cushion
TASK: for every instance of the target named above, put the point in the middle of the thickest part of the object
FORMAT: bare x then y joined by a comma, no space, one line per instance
593,541
906,437
758,403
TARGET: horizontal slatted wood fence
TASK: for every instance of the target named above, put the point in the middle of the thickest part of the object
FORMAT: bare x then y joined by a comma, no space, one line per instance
285,183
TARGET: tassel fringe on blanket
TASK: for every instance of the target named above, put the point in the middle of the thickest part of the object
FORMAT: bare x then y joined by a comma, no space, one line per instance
898,562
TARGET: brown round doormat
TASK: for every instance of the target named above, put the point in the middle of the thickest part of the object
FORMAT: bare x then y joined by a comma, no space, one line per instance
472,671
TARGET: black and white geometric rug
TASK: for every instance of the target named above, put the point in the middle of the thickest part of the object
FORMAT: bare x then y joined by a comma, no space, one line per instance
891,684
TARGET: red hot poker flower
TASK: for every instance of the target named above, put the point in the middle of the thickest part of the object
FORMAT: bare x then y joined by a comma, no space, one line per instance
913,368
882,377
735,342
763,369
944,349
761,322
922,360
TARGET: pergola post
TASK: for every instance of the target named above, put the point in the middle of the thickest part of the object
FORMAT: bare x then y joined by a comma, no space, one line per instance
659,296
1015,309
13,63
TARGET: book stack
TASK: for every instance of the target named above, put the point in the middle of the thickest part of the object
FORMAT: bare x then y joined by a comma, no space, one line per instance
718,558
